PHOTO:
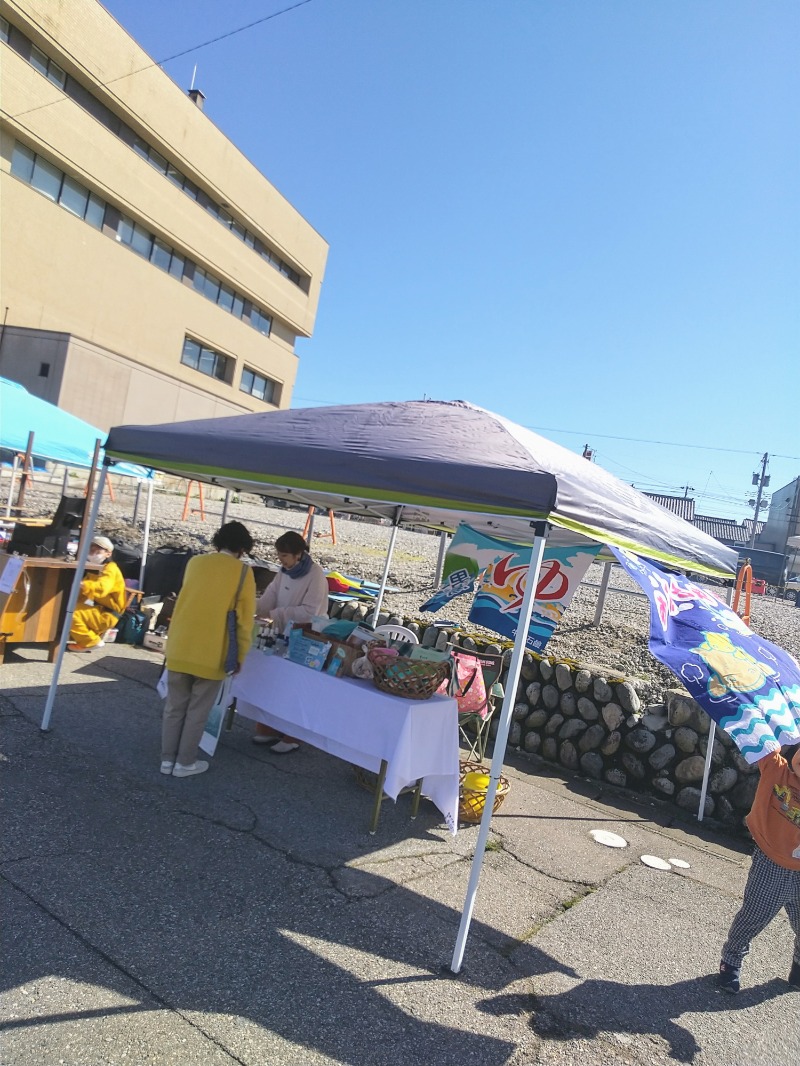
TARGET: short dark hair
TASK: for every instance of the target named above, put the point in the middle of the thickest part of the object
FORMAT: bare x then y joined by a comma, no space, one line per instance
291,542
233,537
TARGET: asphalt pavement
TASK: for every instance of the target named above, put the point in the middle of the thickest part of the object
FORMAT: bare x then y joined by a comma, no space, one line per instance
247,916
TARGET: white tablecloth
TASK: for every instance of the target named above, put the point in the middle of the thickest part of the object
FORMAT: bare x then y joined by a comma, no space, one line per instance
357,722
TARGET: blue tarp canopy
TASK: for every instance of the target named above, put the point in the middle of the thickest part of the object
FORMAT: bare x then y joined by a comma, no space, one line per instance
58,436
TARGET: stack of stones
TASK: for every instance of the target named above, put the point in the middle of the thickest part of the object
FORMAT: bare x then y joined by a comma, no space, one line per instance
583,720
590,722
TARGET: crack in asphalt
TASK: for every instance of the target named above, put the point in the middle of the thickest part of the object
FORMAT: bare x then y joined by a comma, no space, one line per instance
110,961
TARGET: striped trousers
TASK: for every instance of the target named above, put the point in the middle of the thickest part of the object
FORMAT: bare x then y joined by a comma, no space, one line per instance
769,888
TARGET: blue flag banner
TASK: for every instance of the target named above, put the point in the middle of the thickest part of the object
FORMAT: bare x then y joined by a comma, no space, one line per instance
498,569
749,686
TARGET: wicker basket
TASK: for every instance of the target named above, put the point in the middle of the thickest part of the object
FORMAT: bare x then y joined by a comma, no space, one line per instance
351,651
471,802
412,679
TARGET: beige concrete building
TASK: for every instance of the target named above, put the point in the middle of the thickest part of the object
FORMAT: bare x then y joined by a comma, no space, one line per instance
148,272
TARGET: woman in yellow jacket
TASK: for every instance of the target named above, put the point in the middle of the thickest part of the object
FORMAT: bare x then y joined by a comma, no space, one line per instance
102,599
197,644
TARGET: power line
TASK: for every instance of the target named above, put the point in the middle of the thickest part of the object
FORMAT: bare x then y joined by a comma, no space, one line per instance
224,36
645,440
177,55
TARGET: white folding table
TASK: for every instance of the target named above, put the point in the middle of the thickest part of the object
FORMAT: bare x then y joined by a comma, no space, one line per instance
404,741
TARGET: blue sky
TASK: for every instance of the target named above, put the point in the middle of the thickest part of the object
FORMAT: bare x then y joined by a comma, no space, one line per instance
581,215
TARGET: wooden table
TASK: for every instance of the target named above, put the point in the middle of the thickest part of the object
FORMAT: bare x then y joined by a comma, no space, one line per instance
33,612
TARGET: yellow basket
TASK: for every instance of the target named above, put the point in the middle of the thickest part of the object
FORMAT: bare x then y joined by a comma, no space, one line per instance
471,802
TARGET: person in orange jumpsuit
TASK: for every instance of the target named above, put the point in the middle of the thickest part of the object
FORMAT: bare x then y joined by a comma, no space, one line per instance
102,599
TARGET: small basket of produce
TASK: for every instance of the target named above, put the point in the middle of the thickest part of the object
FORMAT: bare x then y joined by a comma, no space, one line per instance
412,679
474,784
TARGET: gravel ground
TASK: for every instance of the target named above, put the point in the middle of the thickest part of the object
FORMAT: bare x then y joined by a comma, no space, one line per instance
618,643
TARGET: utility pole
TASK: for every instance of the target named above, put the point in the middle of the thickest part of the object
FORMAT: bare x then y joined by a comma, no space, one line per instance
762,480
686,490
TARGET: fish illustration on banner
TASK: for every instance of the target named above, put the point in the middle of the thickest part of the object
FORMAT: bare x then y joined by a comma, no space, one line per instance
498,569
749,686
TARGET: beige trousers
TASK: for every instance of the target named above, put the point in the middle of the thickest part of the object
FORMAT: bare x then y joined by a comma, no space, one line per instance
189,699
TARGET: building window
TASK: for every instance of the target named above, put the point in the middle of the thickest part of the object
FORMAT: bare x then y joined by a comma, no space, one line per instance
74,197
177,265
226,296
204,359
46,178
260,321
44,370
22,162
257,385
136,236
95,211
52,71
61,188
5,30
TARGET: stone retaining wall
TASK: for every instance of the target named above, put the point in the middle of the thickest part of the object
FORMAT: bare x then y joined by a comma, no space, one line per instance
596,724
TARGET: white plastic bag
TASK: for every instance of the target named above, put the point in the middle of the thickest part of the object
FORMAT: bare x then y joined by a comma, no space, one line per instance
216,717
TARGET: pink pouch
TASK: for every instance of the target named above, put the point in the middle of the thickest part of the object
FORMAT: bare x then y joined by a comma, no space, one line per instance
466,685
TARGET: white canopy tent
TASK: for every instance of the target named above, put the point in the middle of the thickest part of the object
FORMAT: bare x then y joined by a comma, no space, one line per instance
432,462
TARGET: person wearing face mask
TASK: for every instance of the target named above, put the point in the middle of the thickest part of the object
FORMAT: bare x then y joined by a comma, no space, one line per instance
298,593
102,599
197,644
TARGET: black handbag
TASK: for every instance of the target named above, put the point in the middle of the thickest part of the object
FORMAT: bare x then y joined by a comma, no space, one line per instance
232,653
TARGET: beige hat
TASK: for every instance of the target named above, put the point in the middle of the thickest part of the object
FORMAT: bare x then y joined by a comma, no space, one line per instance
104,543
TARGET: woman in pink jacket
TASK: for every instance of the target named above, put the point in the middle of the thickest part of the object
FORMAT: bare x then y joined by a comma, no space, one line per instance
297,593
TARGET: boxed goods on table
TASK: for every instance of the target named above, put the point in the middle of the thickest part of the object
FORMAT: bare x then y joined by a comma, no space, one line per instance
307,651
341,655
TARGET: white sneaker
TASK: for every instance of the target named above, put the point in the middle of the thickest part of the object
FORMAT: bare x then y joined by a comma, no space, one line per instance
283,747
198,767
167,766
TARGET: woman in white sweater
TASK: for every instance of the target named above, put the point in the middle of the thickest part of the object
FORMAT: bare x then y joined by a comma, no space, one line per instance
297,593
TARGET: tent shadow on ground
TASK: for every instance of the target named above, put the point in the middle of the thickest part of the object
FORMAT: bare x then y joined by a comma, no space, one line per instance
136,892
643,806
594,1007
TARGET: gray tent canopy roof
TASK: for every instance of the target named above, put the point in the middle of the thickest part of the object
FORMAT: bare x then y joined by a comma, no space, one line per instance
423,461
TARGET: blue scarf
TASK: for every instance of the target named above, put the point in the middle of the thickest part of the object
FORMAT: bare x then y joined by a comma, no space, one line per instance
299,569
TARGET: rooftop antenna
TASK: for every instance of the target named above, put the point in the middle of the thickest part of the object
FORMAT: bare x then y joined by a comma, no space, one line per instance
195,94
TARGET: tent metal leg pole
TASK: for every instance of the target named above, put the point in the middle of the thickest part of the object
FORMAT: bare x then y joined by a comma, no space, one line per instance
14,466
601,596
526,610
148,511
83,555
443,542
225,506
136,503
706,770
376,610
